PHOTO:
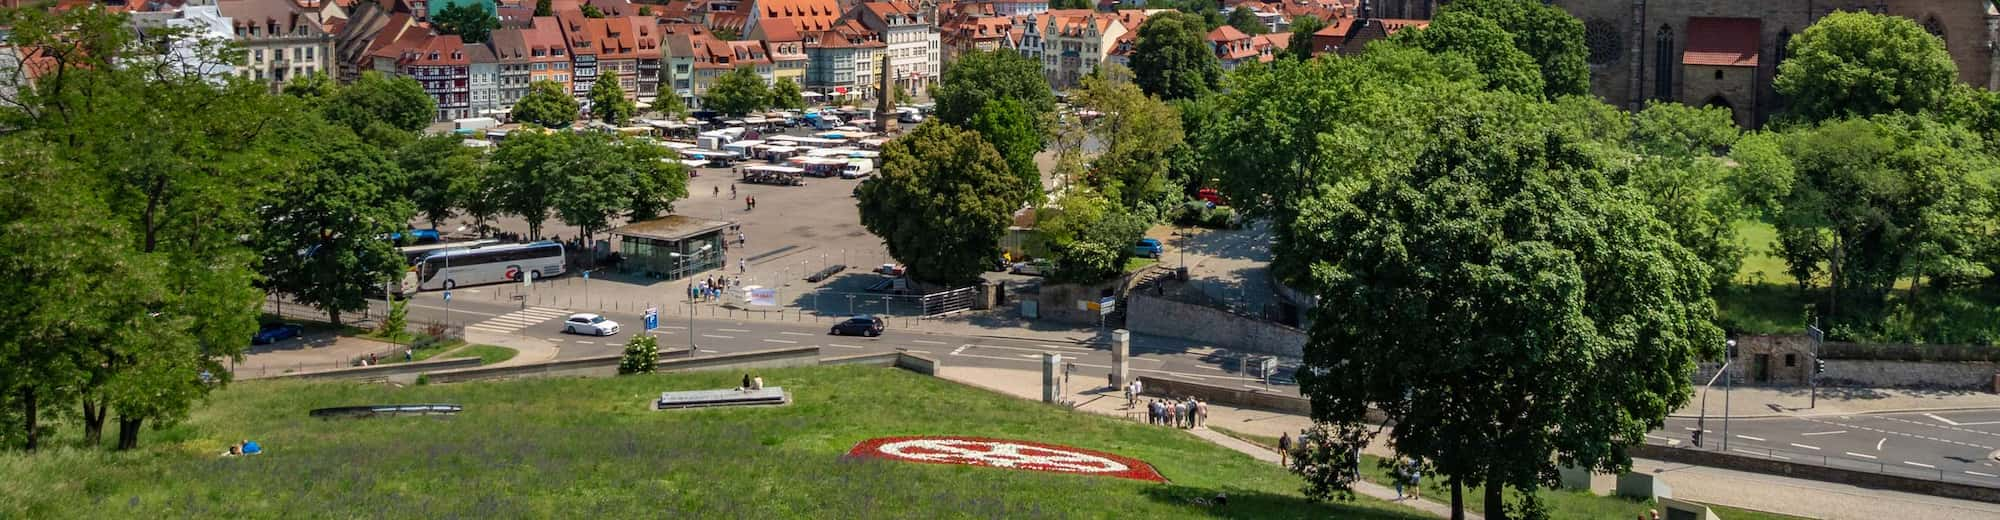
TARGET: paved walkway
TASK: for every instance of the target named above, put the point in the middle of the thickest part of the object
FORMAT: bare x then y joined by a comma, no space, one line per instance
1791,496
531,350
1749,402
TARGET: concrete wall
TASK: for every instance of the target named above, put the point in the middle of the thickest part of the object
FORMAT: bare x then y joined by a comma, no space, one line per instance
885,360
1820,473
1923,374
597,366
1243,397
1161,317
383,371
916,363
1057,302
774,358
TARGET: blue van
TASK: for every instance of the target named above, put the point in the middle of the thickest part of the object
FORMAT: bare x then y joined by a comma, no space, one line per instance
1149,248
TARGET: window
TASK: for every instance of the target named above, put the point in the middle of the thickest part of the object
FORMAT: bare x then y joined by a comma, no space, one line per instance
258,56
1791,360
1663,66
298,53
309,53
1718,73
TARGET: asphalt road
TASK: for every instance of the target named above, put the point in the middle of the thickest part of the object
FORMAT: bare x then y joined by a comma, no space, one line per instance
1951,446
716,336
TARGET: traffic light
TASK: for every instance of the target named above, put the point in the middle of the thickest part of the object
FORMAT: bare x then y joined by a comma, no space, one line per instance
1819,366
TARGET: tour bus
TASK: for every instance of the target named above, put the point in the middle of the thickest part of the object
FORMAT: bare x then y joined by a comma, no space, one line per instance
487,264
413,253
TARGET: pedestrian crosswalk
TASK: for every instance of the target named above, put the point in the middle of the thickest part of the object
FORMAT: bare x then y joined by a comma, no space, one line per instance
514,321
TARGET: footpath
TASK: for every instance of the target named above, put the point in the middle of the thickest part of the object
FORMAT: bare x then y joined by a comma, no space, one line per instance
1760,402
1807,498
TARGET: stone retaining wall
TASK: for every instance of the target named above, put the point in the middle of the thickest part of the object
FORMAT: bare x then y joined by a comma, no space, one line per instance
383,371
1163,317
595,366
1820,473
1923,374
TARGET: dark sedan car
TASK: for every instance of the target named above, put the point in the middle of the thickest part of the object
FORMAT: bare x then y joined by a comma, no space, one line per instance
276,332
858,326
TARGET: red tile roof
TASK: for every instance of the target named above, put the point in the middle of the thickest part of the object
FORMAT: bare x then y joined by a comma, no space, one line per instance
803,15
1723,42
1226,34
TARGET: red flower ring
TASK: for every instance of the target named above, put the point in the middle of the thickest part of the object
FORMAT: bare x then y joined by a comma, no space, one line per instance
1009,454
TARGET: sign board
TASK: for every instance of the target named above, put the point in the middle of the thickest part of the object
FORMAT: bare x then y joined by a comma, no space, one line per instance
763,296
1105,305
1269,365
1816,334
447,296
652,318
586,275
1086,305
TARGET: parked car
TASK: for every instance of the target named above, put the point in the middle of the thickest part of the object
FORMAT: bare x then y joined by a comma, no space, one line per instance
1149,248
1212,196
275,332
863,325
592,324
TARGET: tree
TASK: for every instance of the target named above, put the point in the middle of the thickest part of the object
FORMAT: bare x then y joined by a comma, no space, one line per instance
545,8
436,170
1547,34
1137,135
470,20
657,180
942,202
642,354
1172,58
1300,46
323,247
607,99
785,94
545,104
979,77
607,176
313,87
1483,43
1678,167
1070,4
1861,64
645,10
1089,235
1246,20
741,91
1006,124
1573,316
670,105
396,324
527,171
591,11
381,108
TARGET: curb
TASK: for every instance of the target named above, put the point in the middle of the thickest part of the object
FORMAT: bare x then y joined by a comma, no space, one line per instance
1832,414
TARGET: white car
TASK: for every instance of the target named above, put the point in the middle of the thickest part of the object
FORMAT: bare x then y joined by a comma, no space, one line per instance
592,324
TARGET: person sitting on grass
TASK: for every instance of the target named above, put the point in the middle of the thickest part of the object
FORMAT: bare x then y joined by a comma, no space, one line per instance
746,383
250,447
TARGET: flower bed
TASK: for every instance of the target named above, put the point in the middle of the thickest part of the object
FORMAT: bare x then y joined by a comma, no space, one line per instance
1008,454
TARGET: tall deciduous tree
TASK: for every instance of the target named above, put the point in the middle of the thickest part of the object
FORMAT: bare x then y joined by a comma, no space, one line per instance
1300,46
607,100
611,176
436,170
471,21
1172,58
1505,305
1485,44
741,91
942,202
545,104
1550,37
1006,124
377,107
1861,64
977,78
526,171
785,94
1138,135
323,245
1678,166
1245,20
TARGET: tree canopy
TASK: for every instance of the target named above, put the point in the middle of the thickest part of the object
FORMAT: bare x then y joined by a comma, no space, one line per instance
1548,35
325,246
546,104
1243,19
1485,44
1137,135
607,101
942,202
1861,64
1172,58
785,94
1300,45
740,91
1017,135
471,21
979,77
396,104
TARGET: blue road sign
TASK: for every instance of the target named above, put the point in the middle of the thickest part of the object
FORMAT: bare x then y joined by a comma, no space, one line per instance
447,296
652,318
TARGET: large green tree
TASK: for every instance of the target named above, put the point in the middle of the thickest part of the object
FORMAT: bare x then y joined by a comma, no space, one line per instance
740,91
1550,36
1300,45
1136,135
380,108
436,171
977,78
1015,133
323,245
1677,164
942,203
607,101
785,94
545,104
611,176
1172,58
1861,64
1244,19
471,21
526,172
1090,236
1504,304
1485,44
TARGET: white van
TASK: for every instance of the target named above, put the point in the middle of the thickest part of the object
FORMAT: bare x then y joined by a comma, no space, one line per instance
858,169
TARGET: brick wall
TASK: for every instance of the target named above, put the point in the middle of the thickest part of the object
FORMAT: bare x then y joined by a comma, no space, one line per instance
1970,375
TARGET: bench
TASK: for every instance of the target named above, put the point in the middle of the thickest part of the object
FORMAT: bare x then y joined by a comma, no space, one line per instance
767,396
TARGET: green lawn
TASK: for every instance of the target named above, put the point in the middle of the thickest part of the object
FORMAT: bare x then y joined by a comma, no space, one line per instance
427,352
546,448
1576,505
1138,262
487,354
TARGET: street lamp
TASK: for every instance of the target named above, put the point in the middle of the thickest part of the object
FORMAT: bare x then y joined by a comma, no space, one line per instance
685,274
1701,424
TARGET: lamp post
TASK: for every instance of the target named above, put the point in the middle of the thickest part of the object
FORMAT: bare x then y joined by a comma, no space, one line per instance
1701,424
684,274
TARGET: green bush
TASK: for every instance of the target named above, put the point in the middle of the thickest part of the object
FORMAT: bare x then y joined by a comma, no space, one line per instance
642,354
1220,218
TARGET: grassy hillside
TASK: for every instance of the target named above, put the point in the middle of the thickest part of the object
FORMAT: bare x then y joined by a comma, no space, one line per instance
584,448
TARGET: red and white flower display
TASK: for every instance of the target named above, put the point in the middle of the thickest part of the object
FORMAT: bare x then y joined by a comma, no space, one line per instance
1009,454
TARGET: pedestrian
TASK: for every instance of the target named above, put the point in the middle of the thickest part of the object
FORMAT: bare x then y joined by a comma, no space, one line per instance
1128,395
1201,411
718,191
741,240
1284,447
1173,415
1153,411
409,354
1138,387
732,192
1399,475
371,359
1416,480
742,266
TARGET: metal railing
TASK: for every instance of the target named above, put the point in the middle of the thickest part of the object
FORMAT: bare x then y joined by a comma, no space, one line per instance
1892,468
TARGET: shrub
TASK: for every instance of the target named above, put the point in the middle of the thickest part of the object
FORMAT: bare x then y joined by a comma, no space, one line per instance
642,353
396,324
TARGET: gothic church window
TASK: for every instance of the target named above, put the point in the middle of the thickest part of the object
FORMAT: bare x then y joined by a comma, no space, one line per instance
1663,64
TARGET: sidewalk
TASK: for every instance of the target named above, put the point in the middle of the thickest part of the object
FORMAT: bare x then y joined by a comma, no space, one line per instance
1791,496
530,350
1755,402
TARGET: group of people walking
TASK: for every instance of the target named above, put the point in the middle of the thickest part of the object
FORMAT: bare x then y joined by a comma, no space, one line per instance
709,289
1178,413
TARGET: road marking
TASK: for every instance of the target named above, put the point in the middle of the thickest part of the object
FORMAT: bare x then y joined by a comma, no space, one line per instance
927,342
717,337
785,341
586,342
1878,444
557,340
1029,356
917,351
841,346
961,348
1749,438
1920,464
1651,436
1956,423
675,327
732,330
1692,429
1823,433
1805,446
790,333
1987,475
1770,455
1208,367
1862,455
1081,349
